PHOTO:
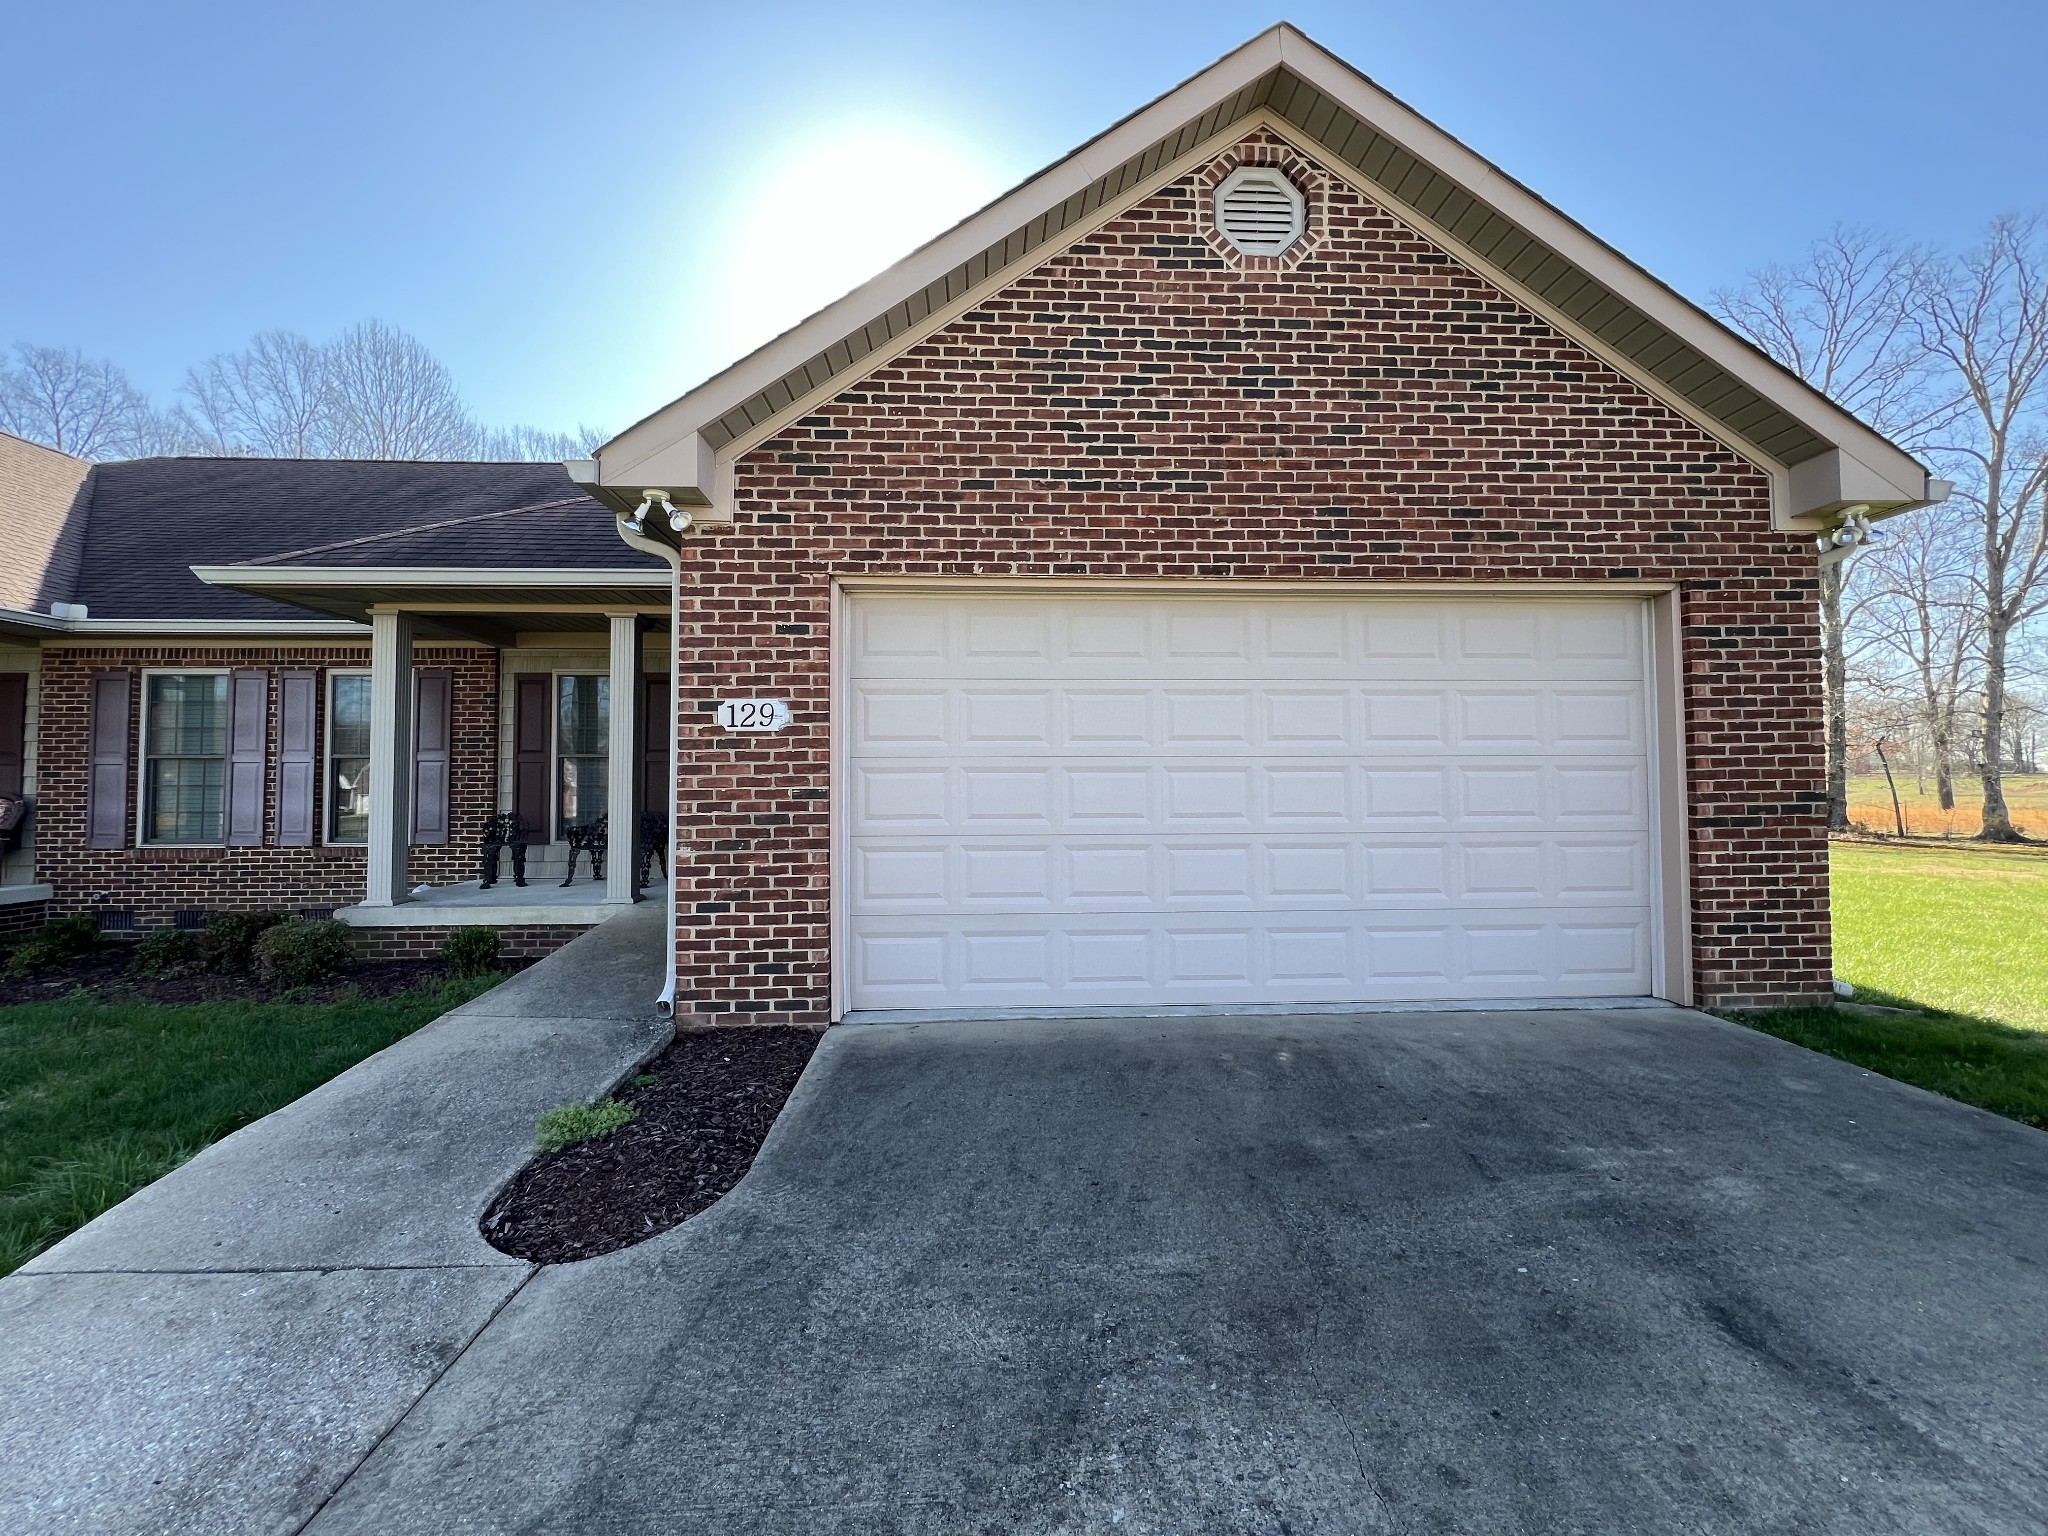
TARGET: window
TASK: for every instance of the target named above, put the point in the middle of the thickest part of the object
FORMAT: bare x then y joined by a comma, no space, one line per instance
582,742
185,757
348,757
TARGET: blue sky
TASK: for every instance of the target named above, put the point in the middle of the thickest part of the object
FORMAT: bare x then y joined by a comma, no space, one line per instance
570,203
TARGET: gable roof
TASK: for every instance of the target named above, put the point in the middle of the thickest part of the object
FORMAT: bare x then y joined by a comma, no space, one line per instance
145,523
1821,458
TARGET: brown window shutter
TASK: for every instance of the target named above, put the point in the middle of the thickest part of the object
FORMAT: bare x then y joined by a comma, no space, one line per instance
13,731
532,717
298,702
431,724
106,794
656,793
248,730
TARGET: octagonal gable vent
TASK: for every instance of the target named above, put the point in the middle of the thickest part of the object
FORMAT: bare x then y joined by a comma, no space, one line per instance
1260,211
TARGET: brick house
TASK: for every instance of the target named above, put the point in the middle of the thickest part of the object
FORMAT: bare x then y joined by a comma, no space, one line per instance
1269,558
188,659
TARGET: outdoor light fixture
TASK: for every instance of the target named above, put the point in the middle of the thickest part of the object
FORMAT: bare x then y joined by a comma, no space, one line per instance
636,522
1838,543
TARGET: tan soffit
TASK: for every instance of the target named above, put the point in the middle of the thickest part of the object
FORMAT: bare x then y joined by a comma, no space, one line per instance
1820,457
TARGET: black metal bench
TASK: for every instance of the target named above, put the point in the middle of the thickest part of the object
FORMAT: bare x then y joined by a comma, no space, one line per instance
653,848
593,838
587,837
505,830
15,811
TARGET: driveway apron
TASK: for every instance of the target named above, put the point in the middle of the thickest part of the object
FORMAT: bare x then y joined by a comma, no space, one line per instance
1548,1271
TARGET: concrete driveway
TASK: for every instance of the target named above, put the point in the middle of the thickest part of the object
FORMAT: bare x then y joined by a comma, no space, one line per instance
1614,1271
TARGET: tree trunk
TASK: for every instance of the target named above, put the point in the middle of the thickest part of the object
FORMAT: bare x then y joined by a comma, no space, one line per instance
1944,780
1898,816
1835,691
1997,827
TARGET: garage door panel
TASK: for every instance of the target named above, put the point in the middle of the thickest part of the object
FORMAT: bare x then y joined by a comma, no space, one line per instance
1205,796
1116,720
1074,802
1163,720
1168,873
1010,798
1021,637
1006,718
1010,960
891,797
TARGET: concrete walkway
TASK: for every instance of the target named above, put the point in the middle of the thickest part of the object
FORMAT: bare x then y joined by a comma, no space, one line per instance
1591,1271
218,1352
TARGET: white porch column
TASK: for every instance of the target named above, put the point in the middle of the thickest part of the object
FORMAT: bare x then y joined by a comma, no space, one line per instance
390,759
622,771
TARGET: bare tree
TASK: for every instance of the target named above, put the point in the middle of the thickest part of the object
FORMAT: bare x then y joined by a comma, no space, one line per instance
1922,609
372,393
1842,320
1985,317
81,406
526,444
273,398
393,399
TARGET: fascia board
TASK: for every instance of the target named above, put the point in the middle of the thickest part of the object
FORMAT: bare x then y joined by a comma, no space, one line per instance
1905,475
266,577
624,459
23,621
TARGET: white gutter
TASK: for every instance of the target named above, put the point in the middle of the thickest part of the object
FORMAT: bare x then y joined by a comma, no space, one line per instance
246,576
54,626
1853,532
287,629
674,556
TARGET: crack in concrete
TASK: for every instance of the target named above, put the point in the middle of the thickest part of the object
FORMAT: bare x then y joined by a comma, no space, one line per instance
396,1424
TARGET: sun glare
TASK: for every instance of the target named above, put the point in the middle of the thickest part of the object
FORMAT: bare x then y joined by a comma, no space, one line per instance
843,206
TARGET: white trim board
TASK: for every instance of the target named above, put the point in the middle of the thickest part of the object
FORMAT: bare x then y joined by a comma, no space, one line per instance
1669,934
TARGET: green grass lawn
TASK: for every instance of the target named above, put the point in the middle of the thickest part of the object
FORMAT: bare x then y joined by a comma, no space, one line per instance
1959,934
99,1098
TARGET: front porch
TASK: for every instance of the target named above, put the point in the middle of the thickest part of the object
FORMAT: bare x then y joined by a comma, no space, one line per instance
567,728
505,905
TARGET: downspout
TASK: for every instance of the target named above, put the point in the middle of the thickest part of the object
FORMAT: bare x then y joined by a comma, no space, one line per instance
674,556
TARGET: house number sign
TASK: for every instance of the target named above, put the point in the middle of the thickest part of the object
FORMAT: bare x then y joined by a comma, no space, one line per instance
753,714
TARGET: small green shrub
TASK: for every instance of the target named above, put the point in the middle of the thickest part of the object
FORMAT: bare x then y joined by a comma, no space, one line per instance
298,952
65,938
231,938
168,952
567,1124
472,951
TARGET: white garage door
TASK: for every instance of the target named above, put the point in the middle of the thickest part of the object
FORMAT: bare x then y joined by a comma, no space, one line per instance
1084,802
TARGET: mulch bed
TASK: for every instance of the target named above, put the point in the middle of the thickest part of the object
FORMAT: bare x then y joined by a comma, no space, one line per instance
106,974
714,1093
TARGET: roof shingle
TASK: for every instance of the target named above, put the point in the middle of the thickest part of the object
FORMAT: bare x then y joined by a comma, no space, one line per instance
148,521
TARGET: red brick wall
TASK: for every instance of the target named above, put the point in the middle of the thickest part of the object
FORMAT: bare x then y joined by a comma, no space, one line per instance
531,940
156,882
1142,406
23,917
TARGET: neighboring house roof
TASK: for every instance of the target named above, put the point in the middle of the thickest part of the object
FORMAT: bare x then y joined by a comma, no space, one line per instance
1821,458
147,522
39,492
